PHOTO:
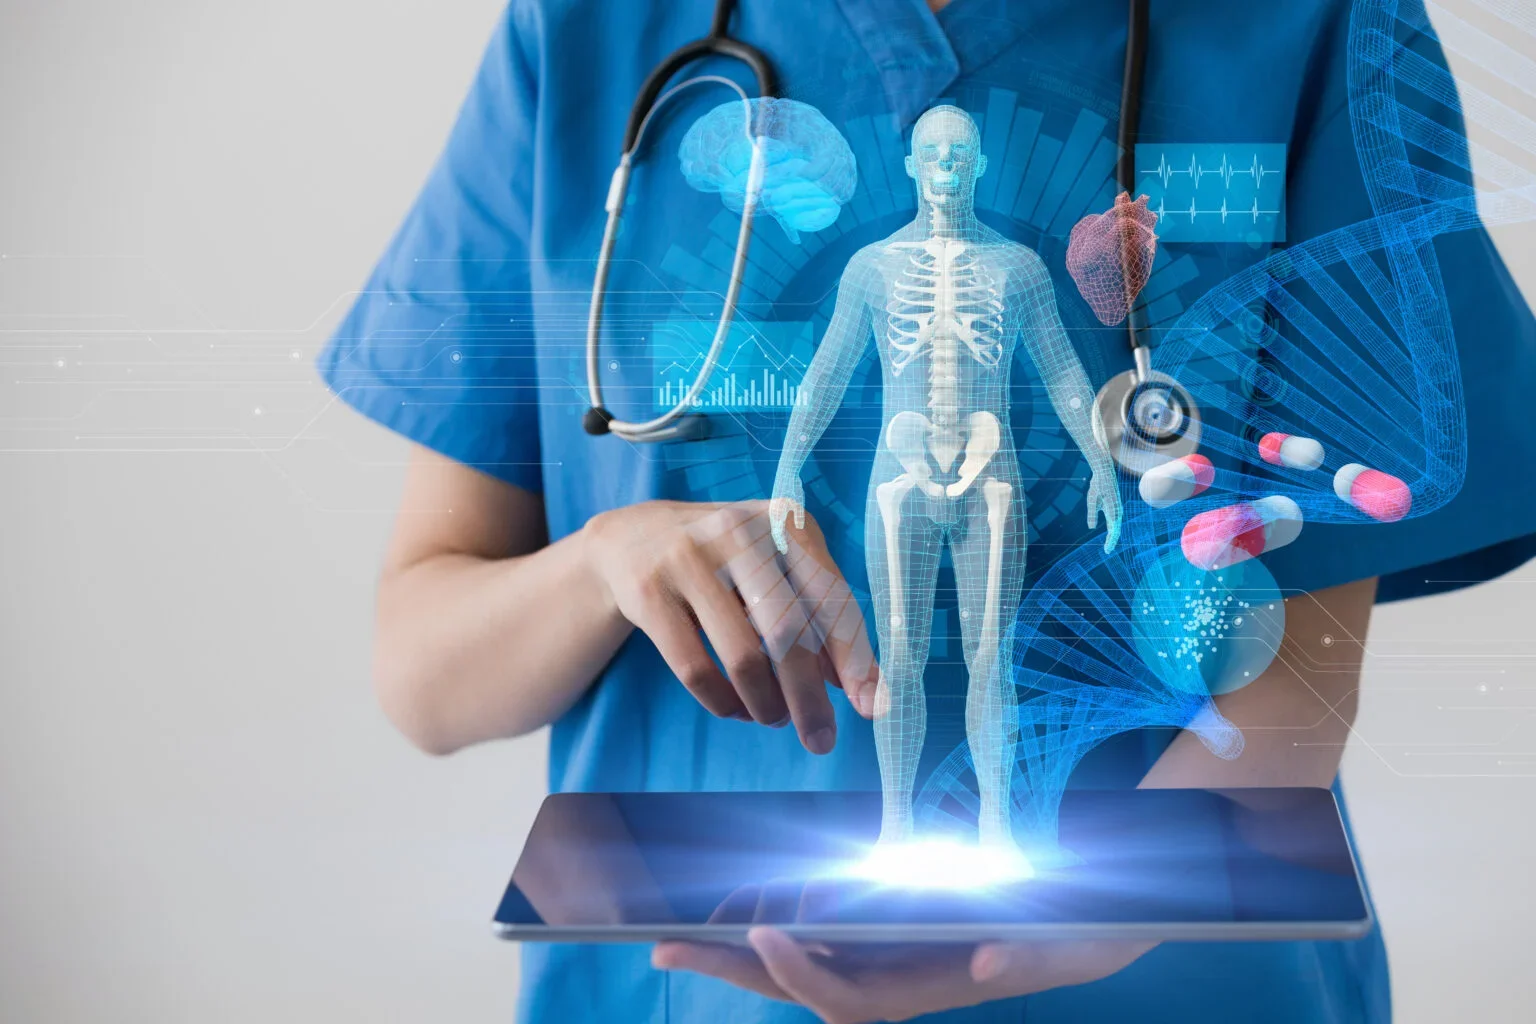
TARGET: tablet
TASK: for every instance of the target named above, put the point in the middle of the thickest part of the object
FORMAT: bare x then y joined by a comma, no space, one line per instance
1160,864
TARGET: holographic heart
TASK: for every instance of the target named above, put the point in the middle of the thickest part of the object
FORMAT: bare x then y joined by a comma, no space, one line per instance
1110,254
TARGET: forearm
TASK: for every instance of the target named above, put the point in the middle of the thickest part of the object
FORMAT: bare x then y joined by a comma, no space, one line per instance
826,379
471,649
1072,397
799,439
1296,717
820,394
1066,382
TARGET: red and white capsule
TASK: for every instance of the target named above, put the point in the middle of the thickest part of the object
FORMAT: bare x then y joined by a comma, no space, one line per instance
1235,533
1171,482
1290,451
1379,495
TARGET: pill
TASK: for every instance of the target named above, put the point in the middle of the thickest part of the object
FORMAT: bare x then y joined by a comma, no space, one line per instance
1234,533
1379,495
1171,482
1290,451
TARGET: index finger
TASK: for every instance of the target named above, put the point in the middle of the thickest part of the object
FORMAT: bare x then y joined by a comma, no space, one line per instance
781,616
836,618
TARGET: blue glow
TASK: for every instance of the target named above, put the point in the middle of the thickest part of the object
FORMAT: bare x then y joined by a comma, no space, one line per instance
941,863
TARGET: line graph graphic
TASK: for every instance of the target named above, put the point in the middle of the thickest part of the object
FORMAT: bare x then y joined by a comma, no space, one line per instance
760,367
1212,192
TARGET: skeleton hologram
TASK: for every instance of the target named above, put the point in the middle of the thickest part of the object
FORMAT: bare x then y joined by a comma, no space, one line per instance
946,300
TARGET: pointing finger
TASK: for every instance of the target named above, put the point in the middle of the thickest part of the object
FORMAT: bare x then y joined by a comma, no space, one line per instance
838,623
734,640
783,620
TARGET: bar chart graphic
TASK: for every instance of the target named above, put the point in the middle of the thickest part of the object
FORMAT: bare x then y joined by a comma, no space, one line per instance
761,364
1214,192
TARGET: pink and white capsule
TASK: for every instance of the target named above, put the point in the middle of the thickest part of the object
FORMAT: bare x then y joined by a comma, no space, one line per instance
1290,451
1379,495
1235,533
1171,482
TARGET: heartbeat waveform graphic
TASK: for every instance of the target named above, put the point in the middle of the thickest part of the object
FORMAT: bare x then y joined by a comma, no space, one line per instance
1215,192
1226,170
1254,213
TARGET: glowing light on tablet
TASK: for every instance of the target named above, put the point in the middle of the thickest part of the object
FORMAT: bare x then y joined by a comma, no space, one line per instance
943,864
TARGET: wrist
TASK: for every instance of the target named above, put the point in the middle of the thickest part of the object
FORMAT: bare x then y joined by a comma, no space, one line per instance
785,481
592,557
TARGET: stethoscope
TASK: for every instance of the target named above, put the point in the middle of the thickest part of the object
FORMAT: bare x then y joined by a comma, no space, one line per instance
677,423
1142,417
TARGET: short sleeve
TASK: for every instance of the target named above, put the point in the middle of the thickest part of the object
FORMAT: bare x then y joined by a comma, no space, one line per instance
1489,526
439,346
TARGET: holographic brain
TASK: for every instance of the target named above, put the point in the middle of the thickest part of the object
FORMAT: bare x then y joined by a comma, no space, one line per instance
809,174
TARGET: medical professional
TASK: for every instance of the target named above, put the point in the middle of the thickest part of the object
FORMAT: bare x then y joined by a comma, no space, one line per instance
544,576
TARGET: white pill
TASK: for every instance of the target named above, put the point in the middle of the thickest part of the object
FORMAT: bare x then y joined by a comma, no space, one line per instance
1170,482
1290,451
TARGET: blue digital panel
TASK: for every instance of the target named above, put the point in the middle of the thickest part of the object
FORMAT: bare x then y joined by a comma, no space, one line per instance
760,366
1214,192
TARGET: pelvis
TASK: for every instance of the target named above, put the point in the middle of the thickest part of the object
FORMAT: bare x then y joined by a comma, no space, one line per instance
913,438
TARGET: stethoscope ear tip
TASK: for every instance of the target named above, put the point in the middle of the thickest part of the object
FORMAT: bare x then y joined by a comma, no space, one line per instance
693,426
595,421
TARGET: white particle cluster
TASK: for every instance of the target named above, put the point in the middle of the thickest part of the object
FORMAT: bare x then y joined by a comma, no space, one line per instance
1206,615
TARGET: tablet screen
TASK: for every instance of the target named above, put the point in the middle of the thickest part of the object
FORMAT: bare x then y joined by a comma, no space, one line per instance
667,861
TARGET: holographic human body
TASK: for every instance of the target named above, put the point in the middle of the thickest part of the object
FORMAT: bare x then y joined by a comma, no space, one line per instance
946,300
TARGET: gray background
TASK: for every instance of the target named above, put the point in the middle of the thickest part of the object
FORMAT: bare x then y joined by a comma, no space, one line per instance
205,815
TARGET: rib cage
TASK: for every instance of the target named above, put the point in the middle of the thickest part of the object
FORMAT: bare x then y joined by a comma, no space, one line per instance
944,297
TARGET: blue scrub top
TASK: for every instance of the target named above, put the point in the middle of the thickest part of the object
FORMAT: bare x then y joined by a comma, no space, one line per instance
469,340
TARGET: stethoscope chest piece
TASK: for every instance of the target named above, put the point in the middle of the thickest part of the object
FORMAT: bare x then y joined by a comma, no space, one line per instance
1144,418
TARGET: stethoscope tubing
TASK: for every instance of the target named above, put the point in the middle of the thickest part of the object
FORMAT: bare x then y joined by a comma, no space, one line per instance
652,98
618,189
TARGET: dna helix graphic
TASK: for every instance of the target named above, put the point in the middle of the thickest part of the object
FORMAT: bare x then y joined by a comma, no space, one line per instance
1358,324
